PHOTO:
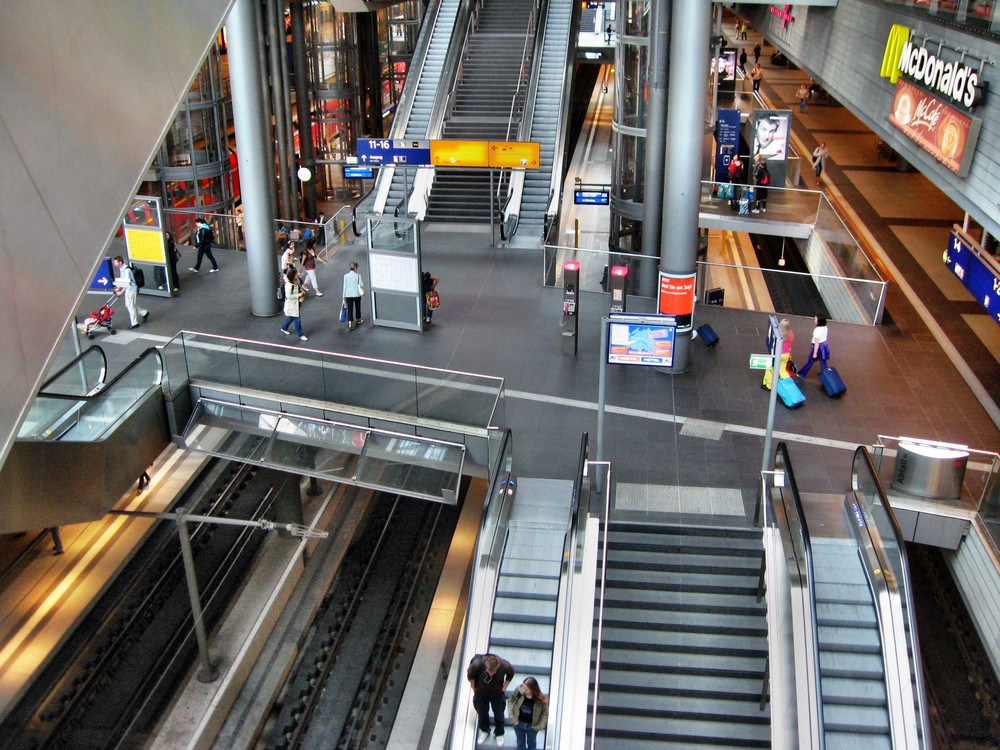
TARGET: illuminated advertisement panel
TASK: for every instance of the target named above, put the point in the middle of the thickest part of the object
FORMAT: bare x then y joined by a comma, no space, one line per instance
676,298
944,132
640,342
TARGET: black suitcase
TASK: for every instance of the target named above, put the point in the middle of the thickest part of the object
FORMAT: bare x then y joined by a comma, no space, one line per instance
708,335
833,384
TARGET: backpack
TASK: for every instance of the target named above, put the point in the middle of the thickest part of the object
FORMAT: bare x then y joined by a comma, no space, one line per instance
206,235
281,291
139,275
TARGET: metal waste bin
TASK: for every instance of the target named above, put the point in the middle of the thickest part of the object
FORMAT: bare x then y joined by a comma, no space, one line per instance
925,470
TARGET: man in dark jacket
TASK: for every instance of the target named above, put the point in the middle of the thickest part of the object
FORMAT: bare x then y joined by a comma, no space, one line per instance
204,238
489,676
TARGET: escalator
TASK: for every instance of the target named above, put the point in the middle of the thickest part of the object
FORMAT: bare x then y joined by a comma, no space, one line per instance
84,442
844,653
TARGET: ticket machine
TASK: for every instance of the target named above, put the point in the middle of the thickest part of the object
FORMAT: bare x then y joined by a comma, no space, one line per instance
616,285
571,311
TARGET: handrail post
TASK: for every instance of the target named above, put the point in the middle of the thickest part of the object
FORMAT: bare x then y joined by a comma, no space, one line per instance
208,671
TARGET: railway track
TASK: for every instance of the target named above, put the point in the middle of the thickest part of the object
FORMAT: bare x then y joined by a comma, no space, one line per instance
110,681
347,683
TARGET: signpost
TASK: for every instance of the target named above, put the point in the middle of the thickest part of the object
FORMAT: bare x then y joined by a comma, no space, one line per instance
385,151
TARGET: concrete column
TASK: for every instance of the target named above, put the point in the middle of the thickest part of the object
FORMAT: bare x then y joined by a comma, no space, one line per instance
252,147
691,22
656,138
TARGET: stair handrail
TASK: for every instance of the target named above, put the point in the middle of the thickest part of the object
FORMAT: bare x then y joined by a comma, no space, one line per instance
491,540
577,509
558,155
866,482
804,561
515,187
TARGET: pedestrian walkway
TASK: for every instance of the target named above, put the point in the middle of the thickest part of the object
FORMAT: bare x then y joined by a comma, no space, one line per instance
902,219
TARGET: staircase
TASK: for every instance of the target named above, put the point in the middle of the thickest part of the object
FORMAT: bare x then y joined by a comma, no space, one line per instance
855,706
548,118
684,641
481,111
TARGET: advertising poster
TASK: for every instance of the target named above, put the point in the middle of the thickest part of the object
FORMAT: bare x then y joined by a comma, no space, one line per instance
771,129
676,298
640,344
727,141
945,133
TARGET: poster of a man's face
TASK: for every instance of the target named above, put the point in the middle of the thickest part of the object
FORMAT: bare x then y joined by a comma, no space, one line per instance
771,133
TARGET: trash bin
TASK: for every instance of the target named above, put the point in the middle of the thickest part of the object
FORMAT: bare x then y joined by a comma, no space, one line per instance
933,471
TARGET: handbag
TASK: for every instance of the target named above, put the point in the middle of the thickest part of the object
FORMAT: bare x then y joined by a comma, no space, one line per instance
343,312
433,300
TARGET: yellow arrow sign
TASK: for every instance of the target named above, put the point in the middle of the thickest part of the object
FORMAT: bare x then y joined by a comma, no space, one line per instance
460,153
515,154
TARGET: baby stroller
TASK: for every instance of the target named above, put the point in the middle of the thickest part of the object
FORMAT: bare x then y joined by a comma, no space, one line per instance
100,319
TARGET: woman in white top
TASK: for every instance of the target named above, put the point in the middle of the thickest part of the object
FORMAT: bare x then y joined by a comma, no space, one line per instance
819,349
293,296
353,289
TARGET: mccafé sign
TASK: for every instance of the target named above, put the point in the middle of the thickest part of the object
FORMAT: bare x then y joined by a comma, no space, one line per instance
931,104
955,80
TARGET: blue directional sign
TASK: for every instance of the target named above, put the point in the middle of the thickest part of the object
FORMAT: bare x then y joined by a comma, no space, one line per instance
977,271
591,197
386,151
104,279
353,171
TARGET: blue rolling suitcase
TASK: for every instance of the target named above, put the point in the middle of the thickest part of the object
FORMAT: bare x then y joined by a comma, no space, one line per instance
789,393
833,384
708,335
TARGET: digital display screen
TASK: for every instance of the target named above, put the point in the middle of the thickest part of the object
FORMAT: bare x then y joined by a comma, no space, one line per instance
355,172
591,197
641,343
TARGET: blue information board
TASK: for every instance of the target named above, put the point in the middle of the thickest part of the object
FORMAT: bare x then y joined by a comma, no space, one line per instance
727,142
977,273
104,278
591,197
353,171
379,151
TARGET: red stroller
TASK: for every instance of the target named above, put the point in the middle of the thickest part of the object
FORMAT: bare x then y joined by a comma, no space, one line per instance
100,319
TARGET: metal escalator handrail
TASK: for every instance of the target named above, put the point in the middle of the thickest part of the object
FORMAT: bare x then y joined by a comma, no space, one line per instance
558,157
488,552
150,352
782,462
75,362
863,467
576,508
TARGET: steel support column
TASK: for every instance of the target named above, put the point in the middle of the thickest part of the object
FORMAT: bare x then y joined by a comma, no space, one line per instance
691,22
252,140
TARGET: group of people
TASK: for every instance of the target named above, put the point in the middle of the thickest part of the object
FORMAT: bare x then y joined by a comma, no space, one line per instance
819,351
489,677
761,180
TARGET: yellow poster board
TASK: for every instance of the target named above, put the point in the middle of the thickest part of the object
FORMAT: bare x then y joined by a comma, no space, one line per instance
145,245
515,154
460,153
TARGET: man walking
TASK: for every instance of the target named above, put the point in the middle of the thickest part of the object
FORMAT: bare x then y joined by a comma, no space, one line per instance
489,676
125,285
204,238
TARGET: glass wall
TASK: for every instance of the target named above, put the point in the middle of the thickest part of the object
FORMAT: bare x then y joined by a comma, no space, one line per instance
975,15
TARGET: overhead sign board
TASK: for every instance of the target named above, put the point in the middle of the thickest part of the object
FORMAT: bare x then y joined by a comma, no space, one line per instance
760,361
386,151
977,271
104,277
460,153
591,197
355,171
515,154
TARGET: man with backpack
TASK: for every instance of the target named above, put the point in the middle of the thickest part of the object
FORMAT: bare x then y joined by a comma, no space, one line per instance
203,239
125,284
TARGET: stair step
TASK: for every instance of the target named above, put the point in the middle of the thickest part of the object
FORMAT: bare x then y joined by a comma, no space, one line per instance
679,663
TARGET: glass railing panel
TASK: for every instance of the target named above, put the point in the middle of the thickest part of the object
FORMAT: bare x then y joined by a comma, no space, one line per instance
371,384
306,445
175,371
455,397
285,370
226,429
47,418
212,358
417,467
